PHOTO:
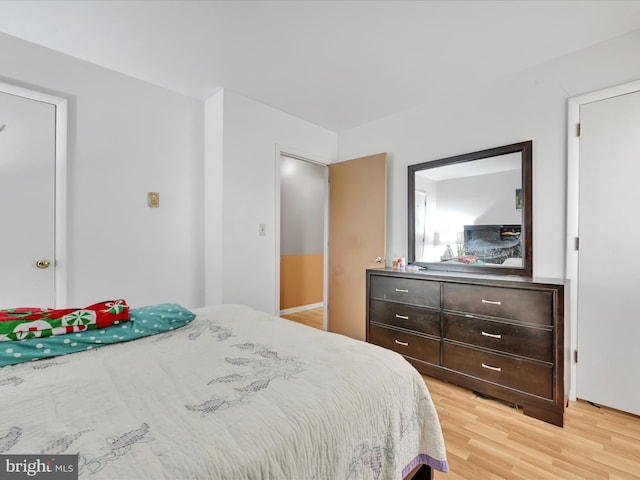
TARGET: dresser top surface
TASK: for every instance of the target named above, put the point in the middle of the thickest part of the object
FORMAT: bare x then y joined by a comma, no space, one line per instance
470,277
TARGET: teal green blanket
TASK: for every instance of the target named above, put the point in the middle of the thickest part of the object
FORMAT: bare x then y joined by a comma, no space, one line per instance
144,322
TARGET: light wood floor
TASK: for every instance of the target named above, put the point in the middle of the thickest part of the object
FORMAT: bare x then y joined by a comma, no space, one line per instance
313,317
486,439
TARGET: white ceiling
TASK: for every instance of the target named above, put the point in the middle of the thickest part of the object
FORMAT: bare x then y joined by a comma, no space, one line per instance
337,64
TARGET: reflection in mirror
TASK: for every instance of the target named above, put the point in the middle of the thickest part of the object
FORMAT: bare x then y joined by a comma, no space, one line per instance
457,206
473,212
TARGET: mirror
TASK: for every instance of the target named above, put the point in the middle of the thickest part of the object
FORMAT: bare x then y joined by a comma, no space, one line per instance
472,212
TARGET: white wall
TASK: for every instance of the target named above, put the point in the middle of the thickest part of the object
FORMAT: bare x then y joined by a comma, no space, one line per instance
483,199
530,105
213,176
253,134
302,192
126,137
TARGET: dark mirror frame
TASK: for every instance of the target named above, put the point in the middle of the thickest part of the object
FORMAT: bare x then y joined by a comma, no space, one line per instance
526,151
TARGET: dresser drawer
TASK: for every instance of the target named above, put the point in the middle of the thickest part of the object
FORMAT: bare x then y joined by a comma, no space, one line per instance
532,306
425,349
506,337
511,372
405,316
406,290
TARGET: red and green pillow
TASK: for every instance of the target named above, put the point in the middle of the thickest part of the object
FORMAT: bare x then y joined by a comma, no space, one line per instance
24,323
143,322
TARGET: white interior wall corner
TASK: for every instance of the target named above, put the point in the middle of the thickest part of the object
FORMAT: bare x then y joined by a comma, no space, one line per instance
213,199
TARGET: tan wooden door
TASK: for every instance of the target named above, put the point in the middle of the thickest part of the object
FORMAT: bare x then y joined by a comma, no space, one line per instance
357,237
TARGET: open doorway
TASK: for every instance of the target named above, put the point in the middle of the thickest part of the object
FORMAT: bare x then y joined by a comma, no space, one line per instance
303,219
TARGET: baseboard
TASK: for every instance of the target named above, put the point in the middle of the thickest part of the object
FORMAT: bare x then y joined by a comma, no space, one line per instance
302,308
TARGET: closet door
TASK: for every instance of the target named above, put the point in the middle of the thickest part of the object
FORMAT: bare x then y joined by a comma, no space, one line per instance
608,365
27,202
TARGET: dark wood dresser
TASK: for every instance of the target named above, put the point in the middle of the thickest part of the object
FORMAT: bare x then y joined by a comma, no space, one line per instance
502,337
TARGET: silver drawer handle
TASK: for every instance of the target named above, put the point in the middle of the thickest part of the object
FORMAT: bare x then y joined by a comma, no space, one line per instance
491,302
404,344
492,335
402,317
489,367
468,315
399,290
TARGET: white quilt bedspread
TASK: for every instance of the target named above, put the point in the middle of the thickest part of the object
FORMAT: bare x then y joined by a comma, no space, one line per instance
235,394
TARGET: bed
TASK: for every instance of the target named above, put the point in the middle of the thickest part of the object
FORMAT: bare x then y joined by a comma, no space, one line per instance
493,244
222,392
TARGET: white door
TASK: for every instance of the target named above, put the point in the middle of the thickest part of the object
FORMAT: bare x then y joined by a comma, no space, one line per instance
608,368
27,202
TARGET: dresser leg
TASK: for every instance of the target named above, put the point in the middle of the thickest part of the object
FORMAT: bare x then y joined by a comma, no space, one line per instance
554,416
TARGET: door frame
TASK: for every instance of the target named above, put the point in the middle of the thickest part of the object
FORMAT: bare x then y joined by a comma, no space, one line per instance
573,209
60,187
305,157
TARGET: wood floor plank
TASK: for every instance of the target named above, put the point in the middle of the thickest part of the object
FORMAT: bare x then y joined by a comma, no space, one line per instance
488,440
313,317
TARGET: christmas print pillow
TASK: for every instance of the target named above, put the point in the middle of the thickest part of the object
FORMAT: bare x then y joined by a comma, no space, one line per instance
24,323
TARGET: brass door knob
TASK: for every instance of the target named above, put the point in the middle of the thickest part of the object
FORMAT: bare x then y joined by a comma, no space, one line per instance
43,263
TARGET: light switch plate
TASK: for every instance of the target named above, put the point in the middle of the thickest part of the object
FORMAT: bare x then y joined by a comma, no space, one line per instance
153,199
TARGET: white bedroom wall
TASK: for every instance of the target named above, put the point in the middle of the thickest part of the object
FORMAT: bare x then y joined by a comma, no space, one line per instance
213,179
253,134
484,199
530,105
126,137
